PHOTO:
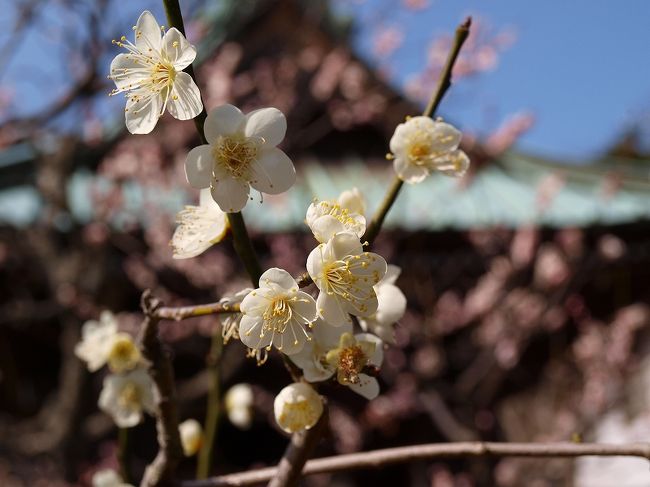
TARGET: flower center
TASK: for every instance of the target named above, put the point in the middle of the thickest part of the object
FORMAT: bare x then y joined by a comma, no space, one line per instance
352,360
277,315
335,210
419,153
235,153
123,354
130,396
341,279
163,75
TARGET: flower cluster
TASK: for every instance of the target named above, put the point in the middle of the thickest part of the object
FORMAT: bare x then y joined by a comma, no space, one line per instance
314,327
128,391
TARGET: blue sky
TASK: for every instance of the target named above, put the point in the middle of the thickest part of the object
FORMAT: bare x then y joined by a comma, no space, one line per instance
582,67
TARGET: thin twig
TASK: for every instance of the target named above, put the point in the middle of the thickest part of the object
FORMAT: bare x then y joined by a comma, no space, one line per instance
444,82
161,471
390,456
183,312
211,424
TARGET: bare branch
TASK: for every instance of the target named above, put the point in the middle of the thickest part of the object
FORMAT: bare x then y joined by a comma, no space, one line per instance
183,312
161,471
389,456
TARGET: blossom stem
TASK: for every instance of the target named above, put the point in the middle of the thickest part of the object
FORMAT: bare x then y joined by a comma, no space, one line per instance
213,408
404,454
244,247
241,240
444,82
124,454
183,312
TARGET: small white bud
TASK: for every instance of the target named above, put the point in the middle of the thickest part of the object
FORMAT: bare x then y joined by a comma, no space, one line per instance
239,405
297,407
191,436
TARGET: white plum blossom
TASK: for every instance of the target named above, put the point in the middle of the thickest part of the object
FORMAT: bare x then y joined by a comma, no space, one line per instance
332,352
199,227
311,359
391,308
151,75
422,145
328,217
276,313
241,153
108,478
239,405
297,407
345,276
191,434
125,397
230,321
102,343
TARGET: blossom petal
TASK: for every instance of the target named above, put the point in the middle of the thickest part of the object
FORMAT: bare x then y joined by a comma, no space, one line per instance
230,194
331,309
445,137
307,361
305,307
177,49
328,336
273,172
142,112
377,356
198,166
344,244
250,330
409,173
147,33
367,387
326,227
254,303
315,263
398,140
223,120
267,123
185,100
126,72
454,163
279,277
392,273
392,304
291,341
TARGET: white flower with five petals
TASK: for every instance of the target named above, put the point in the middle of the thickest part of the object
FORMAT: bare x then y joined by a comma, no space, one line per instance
241,153
277,314
391,308
151,74
125,397
199,227
102,343
422,145
334,350
345,276
328,217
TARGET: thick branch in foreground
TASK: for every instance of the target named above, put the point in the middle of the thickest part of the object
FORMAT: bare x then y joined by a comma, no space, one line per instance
302,444
161,471
444,82
390,456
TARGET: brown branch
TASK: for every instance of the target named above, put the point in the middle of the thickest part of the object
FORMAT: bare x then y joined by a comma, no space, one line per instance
161,471
183,312
444,82
390,456
302,444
